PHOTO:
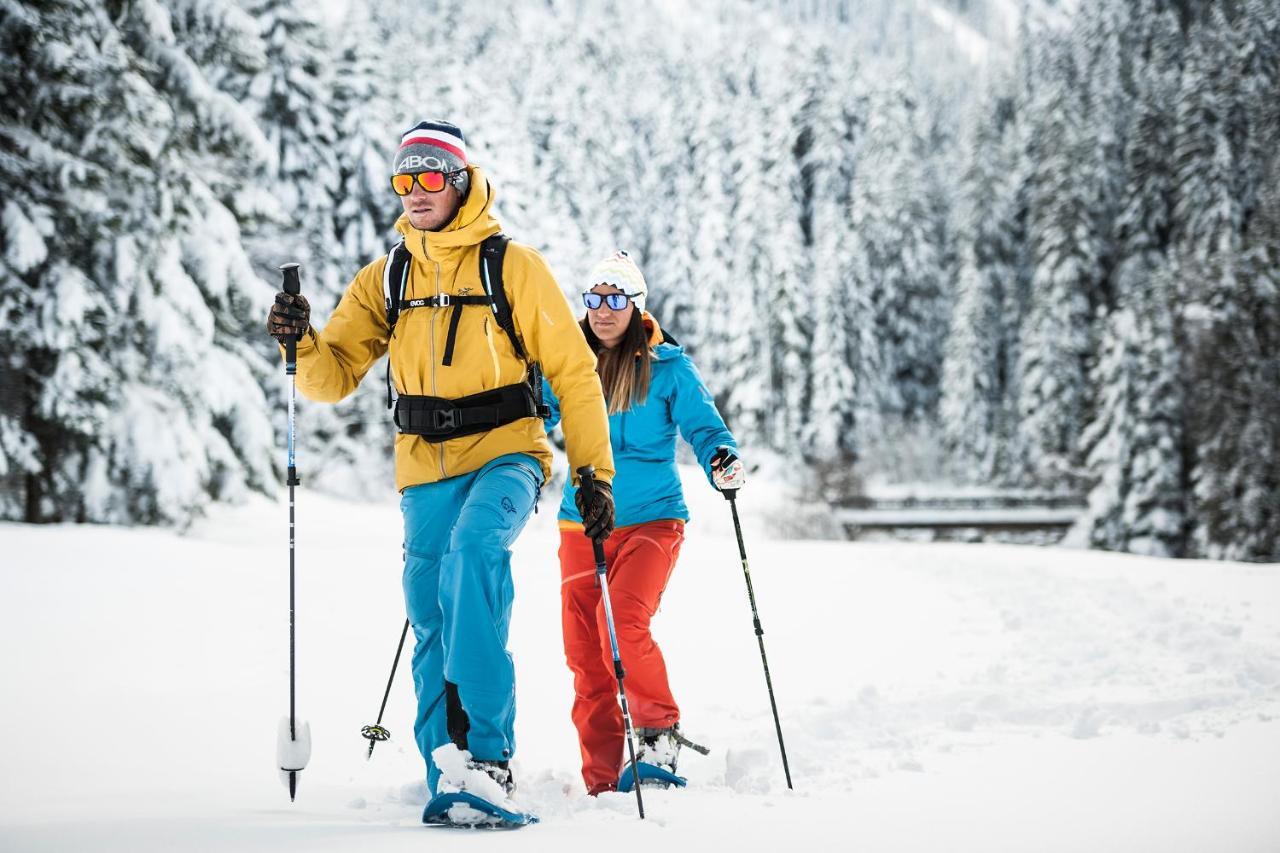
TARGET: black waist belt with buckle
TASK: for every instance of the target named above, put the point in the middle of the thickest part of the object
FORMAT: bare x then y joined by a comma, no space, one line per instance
437,419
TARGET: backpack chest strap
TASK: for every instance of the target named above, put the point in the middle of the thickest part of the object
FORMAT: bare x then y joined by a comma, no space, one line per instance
444,300
395,282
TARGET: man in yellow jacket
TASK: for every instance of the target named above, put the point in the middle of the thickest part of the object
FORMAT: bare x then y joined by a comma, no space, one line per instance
472,453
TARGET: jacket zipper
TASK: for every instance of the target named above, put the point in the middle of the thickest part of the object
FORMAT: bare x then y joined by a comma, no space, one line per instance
431,334
493,353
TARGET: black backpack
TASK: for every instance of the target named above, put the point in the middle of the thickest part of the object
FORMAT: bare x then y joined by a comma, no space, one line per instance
493,250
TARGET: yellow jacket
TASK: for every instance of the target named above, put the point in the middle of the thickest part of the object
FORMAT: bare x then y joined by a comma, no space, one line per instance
332,361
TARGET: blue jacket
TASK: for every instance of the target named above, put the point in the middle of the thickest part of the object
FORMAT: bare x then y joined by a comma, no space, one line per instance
646,485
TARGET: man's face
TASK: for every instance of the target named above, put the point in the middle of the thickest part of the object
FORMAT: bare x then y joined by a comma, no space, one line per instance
431,211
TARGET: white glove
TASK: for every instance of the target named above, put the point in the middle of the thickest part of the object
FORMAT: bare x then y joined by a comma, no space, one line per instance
727,470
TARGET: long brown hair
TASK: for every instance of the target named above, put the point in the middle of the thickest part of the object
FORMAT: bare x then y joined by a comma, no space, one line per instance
624,370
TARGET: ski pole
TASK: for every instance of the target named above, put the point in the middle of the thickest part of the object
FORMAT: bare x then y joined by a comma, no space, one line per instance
293,741
731,496
587,482
376,732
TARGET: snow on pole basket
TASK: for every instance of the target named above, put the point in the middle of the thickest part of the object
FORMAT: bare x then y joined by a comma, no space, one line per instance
293,751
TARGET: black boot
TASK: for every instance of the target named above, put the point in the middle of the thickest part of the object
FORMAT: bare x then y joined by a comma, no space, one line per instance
661,747
498,771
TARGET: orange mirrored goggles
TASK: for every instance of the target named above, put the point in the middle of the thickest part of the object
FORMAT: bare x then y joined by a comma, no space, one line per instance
432,182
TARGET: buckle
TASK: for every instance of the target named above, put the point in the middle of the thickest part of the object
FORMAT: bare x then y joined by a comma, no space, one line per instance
444,419
443,301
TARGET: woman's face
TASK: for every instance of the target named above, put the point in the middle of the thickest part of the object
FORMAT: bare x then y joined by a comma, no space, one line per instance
609,325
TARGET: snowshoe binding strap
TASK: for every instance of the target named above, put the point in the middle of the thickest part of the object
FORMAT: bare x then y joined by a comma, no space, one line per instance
649,735
684,741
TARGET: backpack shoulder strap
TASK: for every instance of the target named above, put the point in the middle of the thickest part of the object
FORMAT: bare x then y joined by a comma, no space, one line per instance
492,253
394,277
395,274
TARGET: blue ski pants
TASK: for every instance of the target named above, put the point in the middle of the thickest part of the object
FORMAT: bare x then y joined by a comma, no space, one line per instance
458,594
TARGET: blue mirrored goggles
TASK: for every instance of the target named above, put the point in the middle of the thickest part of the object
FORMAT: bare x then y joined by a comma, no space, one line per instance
615,301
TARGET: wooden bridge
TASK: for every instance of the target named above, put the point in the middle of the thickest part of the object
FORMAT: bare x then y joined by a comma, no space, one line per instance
1021,516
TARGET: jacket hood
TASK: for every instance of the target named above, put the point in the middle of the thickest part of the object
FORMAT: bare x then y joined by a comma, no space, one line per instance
472,224
662,349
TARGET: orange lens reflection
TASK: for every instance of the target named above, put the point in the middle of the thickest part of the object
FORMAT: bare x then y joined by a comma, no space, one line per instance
402,184
432,182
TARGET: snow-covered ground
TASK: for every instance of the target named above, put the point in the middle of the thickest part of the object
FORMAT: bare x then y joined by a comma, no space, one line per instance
933,696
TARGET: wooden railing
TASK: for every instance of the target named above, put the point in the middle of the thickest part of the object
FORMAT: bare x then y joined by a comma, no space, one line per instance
1037,515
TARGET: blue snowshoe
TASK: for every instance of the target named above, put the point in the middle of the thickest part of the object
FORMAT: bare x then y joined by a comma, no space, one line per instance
463,808
651,776
656,760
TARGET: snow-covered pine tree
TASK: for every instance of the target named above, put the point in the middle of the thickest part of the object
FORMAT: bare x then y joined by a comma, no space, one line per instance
129,394
1055,345
825,148
670,173
1259,34
1135,443
1228,279
970,404
1259,443
365,208
712,250
741,348
897,260
779,265
348,449
1104,39
752,348
293,99
974,390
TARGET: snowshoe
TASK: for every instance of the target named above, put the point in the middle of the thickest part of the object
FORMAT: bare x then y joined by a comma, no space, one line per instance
657,758
464,809
473,793
651,776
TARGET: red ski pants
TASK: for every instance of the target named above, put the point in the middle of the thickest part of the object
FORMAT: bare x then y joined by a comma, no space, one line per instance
639,560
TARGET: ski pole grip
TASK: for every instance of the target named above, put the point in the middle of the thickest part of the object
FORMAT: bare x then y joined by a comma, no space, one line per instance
292,285
587,479
587,483
729,494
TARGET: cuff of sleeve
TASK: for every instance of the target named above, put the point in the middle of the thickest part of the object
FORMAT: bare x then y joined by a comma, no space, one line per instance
306,343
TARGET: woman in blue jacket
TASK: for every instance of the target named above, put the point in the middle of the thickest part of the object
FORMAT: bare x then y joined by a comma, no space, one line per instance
653,391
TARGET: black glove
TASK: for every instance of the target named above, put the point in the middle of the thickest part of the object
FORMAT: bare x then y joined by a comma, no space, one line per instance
290,317
597,510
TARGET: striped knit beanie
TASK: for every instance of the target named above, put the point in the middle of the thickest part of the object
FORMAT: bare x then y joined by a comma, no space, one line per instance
433,146
620,271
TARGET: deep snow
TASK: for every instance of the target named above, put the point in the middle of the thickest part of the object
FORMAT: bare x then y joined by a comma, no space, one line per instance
933,696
